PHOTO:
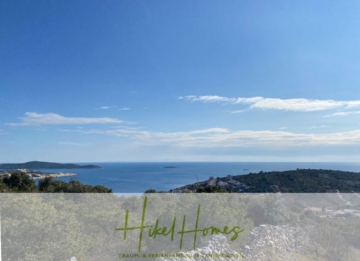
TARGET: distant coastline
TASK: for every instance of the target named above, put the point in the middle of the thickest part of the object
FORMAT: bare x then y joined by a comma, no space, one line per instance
35,174
45,165
53,175
134,177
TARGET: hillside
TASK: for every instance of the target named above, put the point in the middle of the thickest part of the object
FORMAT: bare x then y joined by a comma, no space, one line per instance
292,181
302,180
45,165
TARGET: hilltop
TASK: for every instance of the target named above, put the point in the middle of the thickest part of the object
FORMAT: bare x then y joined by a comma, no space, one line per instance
45,165
292,181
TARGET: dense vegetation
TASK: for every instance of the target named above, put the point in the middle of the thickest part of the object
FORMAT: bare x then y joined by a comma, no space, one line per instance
20,182
45,165
48,227
210,189
302,180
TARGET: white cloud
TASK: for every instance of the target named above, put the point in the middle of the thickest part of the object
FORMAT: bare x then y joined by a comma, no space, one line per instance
318,127
33,118
105,107
344,113
222,138
352,104
249,100
209,98
2,132
124,109
297,104
305,105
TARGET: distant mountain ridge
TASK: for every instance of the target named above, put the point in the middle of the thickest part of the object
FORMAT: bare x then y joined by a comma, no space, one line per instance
45,165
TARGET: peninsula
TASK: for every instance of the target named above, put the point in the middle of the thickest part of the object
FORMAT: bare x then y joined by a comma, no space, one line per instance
45,165
291,181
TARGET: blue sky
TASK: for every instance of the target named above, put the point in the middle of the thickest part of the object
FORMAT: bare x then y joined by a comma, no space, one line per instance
179,81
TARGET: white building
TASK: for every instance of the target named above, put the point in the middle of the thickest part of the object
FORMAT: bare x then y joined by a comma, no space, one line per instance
212,181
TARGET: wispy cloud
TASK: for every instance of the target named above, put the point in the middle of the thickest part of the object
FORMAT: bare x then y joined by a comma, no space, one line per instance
208,98
33,118
238,111
124,109
344,113
105,107
318,127
74,143
222,138
2,132
71,130
306,105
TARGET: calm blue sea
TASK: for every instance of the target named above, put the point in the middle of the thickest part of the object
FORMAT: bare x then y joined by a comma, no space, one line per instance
138,177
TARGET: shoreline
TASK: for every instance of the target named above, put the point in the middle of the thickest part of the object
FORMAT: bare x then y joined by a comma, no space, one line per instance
54,175
37,174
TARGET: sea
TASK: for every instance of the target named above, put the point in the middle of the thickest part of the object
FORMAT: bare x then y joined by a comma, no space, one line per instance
140,176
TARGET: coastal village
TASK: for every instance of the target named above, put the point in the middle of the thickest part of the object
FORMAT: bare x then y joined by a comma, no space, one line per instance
34,174
229,184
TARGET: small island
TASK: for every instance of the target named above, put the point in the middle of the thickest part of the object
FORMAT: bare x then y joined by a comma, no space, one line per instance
170,167
45,165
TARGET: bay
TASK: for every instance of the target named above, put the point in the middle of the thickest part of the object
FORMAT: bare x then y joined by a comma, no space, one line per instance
136,177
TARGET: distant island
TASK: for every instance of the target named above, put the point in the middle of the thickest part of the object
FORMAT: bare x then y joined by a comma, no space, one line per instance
170,167
291,181
23,181
45,165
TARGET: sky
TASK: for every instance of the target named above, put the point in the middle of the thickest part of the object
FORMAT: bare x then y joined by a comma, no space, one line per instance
136,80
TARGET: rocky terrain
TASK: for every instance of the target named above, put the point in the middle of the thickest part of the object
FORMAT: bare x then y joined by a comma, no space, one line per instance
267,242
274,243
217,248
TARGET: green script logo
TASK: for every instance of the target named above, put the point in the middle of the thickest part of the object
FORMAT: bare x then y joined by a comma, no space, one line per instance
154,230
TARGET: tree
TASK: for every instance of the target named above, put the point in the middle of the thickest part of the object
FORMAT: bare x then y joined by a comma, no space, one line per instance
150,191
330,236
20,182
45,183
210,189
